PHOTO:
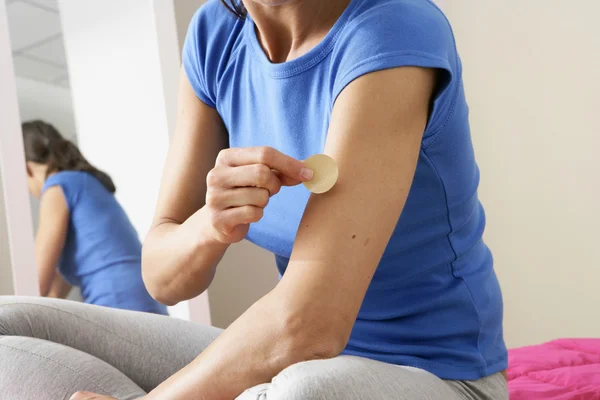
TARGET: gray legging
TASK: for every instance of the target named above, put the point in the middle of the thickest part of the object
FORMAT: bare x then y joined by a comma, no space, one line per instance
50,349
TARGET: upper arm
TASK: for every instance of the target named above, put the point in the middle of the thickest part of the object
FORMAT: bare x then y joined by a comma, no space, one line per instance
375,136
51,235
199,136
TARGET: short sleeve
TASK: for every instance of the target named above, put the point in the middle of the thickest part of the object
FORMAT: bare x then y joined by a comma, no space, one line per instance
396,34
191,57
208,42
70,185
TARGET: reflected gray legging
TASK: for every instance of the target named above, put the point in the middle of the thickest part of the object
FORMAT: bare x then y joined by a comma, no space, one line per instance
50,349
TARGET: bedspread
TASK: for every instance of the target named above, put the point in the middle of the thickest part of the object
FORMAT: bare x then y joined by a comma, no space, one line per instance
565,369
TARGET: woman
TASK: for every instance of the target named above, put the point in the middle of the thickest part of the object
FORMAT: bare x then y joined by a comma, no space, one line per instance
84,237
387,290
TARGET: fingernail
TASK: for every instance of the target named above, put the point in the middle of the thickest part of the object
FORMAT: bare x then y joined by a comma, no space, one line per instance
306,173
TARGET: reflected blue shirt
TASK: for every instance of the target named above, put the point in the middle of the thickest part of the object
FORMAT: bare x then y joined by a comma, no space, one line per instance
434,301
102,251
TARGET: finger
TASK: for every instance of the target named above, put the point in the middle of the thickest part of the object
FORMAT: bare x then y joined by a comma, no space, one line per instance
285,180
232,217
268,156
237,197
256,175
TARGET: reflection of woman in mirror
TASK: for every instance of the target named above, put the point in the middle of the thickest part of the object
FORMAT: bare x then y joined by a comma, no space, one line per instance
84,237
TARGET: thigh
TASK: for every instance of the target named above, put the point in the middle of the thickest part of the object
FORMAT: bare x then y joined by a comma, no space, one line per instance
352,378
493,387
147,348
42,370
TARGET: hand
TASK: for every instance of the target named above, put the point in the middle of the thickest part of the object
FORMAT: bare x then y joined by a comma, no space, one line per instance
90,396
240,185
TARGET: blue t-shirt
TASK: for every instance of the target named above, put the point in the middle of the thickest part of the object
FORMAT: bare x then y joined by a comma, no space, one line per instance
102,251
434,301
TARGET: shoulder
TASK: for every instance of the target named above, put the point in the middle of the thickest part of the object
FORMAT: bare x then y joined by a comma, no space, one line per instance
395,33
212,21
212,38
399,22
63,178
54,198
71,182
384,34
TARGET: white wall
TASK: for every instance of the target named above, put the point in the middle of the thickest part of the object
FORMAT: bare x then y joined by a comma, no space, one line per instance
532,72
53,104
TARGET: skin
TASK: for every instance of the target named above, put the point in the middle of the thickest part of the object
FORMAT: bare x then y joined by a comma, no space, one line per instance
51,234
374,135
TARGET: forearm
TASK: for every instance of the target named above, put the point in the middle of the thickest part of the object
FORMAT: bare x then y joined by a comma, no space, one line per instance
179,260
266,339
46,267
45,278
60,288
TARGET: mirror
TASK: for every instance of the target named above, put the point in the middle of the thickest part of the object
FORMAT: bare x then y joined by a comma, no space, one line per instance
42,76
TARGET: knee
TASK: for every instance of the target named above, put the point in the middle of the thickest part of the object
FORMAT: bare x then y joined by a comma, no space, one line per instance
310,380
7,315
16,315
297,382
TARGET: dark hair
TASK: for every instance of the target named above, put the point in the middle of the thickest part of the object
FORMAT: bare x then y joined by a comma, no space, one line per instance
236,7
45,145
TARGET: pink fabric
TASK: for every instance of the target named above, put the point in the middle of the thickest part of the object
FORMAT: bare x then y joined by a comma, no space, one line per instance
566,369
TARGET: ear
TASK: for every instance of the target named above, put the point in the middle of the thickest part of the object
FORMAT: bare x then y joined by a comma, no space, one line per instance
29,169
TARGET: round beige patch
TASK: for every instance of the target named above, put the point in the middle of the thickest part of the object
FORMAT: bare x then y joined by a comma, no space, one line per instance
325,172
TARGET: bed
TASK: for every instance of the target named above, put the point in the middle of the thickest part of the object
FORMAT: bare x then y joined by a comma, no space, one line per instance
565,369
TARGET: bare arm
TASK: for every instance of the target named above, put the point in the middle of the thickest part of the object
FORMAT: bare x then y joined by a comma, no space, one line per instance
375,136
50,237
60,288
178,259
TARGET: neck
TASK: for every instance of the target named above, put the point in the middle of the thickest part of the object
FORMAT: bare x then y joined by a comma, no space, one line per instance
290,30
37,175
40,172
